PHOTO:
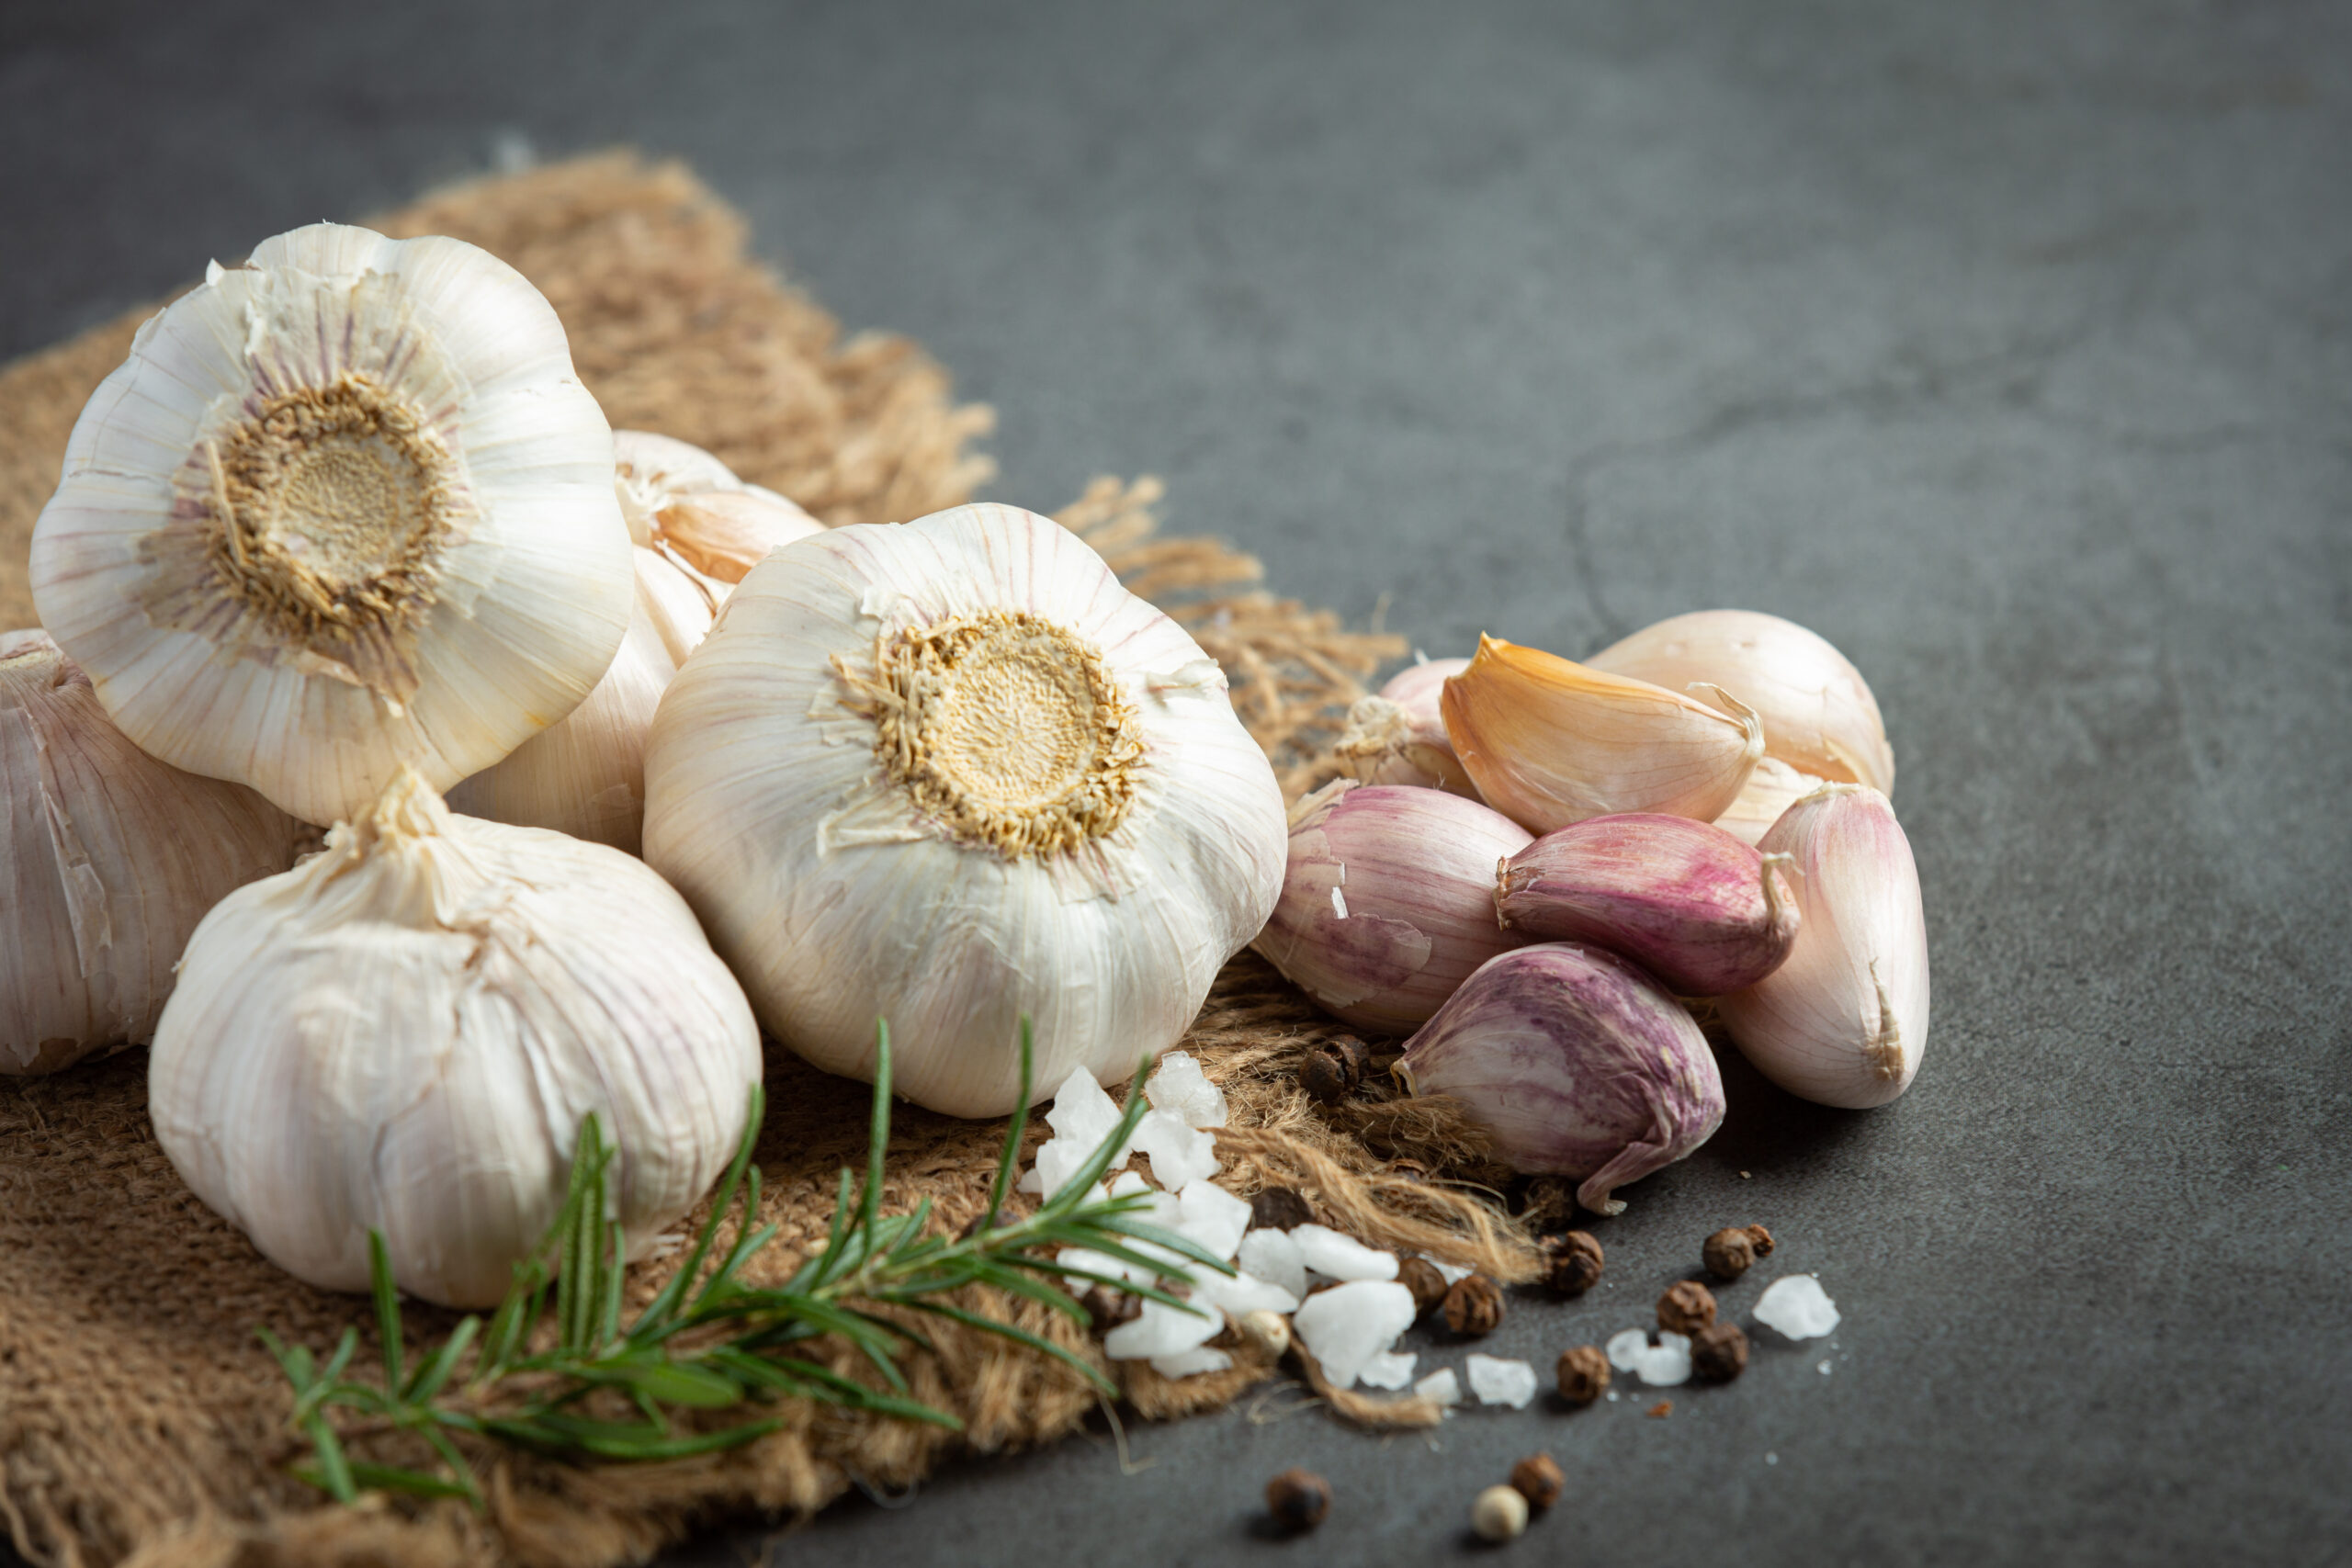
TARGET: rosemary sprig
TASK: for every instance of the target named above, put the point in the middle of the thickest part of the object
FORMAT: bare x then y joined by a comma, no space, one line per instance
708,1341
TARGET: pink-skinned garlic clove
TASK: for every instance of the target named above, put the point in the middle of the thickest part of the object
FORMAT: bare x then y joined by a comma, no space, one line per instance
1688,902
1387,900
1575,1063
1844,1020
1399,735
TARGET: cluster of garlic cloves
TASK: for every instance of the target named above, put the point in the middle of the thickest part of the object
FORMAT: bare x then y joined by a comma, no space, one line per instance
109,861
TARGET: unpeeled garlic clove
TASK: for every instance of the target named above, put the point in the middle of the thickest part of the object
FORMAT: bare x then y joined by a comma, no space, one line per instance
1771,789
1387,900
1844,1020
1398,737
1819,716
689,507
1549,742
1575,1063
1688,902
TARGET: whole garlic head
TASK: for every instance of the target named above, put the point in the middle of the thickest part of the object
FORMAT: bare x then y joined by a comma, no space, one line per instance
949,773
406,1033
110,858
344,509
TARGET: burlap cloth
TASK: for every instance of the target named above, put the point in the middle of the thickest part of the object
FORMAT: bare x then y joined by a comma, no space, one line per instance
139,1419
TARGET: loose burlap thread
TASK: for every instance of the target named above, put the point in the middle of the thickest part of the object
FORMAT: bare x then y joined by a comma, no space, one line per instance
141,1422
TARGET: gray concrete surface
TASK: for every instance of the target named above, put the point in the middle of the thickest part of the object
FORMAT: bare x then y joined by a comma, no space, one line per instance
2008,344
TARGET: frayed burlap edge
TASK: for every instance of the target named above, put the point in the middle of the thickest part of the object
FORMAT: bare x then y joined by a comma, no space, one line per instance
140,1422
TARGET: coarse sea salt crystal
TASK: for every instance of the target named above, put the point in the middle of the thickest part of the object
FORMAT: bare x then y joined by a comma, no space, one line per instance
1440,1386
1239,1293
1499,1381
1181,1089
1186,1363
1666,1364
1390,1369
1625,1350
1101,1263
1273,1256
1179,1155
1213,1217
1033,1181
1347,1324
1160,1330
1798,1307
1129,1181
1058,1160
1336,1256
1083,1114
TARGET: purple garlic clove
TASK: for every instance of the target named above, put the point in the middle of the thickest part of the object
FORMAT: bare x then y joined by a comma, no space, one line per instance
1575,1063
1387,903
1398,737
1687,901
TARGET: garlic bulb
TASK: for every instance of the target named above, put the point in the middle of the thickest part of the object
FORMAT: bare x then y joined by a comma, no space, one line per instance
950,774
585,774
1771,789
1844,1020
1688,902
1574,1063
406,1033
1398,737
111,859
1818,713
1549,742
1388,902
344,508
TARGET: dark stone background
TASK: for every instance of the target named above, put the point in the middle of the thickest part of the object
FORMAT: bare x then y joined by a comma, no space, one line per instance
2008,344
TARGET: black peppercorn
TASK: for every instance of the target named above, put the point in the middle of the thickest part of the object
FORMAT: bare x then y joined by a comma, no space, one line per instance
1728,1253
1572,1262
1298,1499
1278,1207
1419,1276
1324,1077
1108,1308
1474,1306
1355,1055
1686,1307
1538,1479
1719,1353
1583,1374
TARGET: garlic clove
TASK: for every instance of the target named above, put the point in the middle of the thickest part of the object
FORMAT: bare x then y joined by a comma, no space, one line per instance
1688,902
1844,1020
1771,789
1549,742
1398,737
1818,713
344,509
1574,1063
406,1033
682,502
1387,900
109,860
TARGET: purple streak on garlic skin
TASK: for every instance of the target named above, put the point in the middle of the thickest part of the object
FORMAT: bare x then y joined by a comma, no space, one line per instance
1387,902
1575,1063
1688,902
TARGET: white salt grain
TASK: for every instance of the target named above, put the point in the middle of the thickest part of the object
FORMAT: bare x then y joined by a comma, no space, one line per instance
1179,1155
1625,1350
1390,1369
1440,1386
1499,1382
1666,1364
1083,1114
1058,1160
1347,1324
1336,1256
1273,1256
1101,1263
1239,1293
1129,1181
1213,1217
1186,1363
1181,1089
1825,1368
1160,1330
1033,1181
1798,1307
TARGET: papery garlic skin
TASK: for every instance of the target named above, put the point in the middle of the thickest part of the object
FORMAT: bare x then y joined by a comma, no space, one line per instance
1688,902
109,860
344,509
1575,1063
1771,789
406,1033
689,507
950,774
1844,1020
1387,901
1399,735
1818,713
1549,742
